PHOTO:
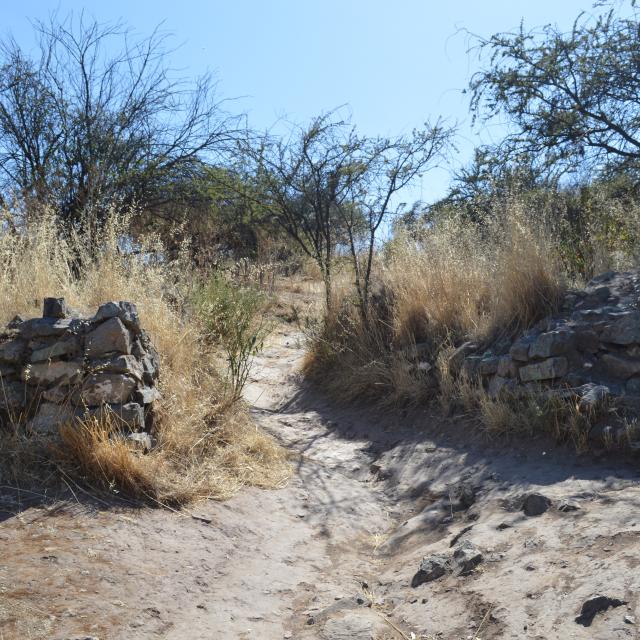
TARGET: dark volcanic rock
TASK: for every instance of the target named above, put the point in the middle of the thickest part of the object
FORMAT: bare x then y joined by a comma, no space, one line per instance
431,568
595,605
535,504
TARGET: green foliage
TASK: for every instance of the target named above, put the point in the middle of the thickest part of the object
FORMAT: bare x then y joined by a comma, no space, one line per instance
232,319
572,97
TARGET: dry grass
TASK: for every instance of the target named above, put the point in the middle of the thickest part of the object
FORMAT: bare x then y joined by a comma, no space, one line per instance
456,282
206,444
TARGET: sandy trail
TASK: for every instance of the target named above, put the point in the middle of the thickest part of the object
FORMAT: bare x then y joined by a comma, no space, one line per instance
333,554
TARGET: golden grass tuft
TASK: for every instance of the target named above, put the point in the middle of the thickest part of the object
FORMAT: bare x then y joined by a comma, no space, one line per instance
455,282
207,446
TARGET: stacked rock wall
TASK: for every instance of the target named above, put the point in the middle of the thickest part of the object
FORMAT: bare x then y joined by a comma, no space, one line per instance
58,368
589,349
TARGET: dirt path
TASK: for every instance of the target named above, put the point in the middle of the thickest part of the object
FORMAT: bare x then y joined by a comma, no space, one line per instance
333,554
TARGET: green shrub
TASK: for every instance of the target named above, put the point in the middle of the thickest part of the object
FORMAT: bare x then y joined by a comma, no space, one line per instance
232,319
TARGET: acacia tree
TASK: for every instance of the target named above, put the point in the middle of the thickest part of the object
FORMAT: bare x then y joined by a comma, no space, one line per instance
328,186
570,97
96,118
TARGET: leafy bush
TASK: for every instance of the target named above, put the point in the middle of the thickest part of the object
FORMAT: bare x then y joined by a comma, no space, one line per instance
231,316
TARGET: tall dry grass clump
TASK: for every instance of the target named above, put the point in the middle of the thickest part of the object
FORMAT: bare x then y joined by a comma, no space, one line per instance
206,444
453,282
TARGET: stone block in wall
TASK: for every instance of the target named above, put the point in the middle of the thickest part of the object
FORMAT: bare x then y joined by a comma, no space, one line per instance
620,366
128,364
109,388
507,368
45,327
127,312
13,396
69,346
129,414
552,343
54,308
45,374
624,330
12,351
49,417
587,340
109,337
520,348
633,386
548,369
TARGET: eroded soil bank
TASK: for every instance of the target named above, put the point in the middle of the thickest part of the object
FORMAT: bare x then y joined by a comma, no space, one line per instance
335,553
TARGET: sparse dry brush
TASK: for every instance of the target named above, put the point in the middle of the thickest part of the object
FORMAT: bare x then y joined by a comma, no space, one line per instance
207,446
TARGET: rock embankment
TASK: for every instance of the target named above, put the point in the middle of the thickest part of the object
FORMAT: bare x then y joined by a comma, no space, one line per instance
589,350
58,368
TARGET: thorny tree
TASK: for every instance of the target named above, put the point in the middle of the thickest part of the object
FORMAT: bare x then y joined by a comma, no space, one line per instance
571,97
329,187
97,118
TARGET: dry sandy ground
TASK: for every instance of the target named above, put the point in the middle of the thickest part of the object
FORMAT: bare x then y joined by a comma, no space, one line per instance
332,555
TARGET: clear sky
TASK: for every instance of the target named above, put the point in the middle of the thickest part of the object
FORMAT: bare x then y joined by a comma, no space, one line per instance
395,63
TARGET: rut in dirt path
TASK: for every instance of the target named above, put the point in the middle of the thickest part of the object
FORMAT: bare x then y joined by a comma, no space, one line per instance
334,554
380,492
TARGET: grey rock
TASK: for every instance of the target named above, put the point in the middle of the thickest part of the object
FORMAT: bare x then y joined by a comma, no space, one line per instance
431,568
462,495
633,386
507,367
13,396
567,506
129,415
45,327
15,322
118,364
594,605
69,346
127,312
12,351
553,343
620,366
48,373
623,331
545,370
141,440
498,385
466,558
109,388
58,394
146,395
151,368
8,371
54,308
587,340
535,504
520,349
470,366
49,418
109,337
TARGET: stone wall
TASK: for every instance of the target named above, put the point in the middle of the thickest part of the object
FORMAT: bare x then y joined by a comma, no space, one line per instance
61,367
589,350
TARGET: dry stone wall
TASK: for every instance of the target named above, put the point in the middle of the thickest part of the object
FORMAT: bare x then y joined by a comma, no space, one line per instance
589,350
63,367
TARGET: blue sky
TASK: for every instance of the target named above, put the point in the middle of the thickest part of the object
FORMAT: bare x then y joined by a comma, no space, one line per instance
394,63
